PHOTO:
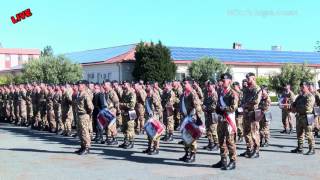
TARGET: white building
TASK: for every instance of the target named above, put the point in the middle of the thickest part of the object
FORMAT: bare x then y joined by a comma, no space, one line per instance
12,59
116,63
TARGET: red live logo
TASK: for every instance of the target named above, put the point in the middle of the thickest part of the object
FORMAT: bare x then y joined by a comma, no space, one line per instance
22,15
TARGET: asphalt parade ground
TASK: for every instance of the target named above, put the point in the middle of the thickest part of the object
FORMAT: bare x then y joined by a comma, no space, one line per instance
30,155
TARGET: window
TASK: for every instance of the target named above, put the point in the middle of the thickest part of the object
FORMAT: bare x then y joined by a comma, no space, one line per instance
109,76
8,61
30,57
20,60
180,76
90,76
104,76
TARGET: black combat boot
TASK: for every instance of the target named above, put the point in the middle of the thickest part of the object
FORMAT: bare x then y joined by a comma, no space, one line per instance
297,150
310,152
129,146
224,165
84,151
231,165
154,151
215,147
219,164
60,132
79,150
191,158
164,138
209,147
246,153
170,137
125,143
183,158
290,131
147,150
240,139
254,154
284,131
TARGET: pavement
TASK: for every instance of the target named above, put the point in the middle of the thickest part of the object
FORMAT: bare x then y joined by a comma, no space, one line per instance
30,155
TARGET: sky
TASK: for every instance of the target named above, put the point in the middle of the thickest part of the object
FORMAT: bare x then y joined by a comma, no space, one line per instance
74,25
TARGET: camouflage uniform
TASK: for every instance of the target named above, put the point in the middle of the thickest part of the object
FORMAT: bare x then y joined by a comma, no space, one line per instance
90,93
15,107
287,98
29,106
192,105
12,108
50,112
239,117
112,103
154,105
250,102
6,100
35,97
84,108
67,111
57,99
226,133
176,116
127,103
22,106
140,109
264,124
43,109
1,105
316,94
168,100
210,104
119,92
303,105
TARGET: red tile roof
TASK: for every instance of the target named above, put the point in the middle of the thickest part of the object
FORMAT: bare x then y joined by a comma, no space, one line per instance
20,51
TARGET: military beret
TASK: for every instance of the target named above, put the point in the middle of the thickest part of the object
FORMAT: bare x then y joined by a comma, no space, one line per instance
311,84
106,81
264,87
225,76
236,83
250,74
83,82
244,80
304,83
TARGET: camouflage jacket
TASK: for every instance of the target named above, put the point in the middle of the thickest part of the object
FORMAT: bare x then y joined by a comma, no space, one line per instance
304,103
231,100
128,100
210,101
251,98
84,103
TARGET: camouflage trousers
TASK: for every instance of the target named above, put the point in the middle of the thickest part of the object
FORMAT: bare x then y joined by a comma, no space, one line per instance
51,119
67,118
287,119
119,120
317,124
154,142
58,118
22,112
83,130
191,147
176,116
169,123
211,127
251,131
16,112
239,122
140,117
128,128
111,131
226,141
43,116
264,130
304,129
29,113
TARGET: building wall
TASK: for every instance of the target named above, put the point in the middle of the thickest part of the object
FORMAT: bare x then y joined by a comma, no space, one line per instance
13,60
100,72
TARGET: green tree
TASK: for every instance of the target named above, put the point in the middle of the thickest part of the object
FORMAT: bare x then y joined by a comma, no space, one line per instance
263,80
207,68
47,51
292,74
50,69
153,63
